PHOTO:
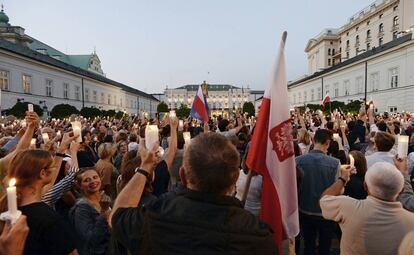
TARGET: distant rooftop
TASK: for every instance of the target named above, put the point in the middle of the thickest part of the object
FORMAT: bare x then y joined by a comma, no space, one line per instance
211,87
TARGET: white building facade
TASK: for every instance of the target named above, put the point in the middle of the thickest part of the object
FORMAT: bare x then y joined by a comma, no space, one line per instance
31,71
370,57
220,98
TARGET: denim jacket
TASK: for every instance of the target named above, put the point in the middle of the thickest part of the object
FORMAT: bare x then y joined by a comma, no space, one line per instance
320,172
91,228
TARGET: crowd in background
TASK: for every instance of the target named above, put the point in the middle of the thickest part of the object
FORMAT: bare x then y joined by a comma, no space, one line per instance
103,191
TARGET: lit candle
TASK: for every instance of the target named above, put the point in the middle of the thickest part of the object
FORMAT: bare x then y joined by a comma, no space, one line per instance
12,197
351,161
76,126
151,136
172,114
24,124
187,138
336,136
180,125
45,137
58,134
403,146
30,107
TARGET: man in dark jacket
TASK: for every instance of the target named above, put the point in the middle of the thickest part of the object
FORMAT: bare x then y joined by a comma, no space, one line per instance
201,219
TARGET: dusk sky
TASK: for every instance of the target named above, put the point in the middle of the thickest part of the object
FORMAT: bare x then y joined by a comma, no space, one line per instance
153,43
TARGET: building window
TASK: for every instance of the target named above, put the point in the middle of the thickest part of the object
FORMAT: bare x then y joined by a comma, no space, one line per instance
102,98
394,35
368,46
49,87
294,98
312,94
336,90
66,90
356,29
380,16
95,98
356,50
27,83
326,89
319,93
374,81
381,28
368,23
393,74
115,101
77,92
395,8
368,34
347,55
395,21
87,95
109,99
329,52
300,97
4,80
347,43
346,87
305,96
358,85
333,52
380,41
329,61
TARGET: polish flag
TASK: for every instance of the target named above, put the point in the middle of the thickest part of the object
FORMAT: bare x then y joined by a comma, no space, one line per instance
325,100
272,155
199,109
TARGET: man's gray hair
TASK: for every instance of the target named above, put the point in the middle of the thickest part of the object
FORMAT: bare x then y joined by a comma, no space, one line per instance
384,181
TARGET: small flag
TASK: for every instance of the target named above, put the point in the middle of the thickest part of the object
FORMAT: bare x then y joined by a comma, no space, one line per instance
199,109
325,100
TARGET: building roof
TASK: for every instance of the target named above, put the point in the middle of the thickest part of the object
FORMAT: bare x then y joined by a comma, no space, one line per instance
257,92
367,54
211,87
46,59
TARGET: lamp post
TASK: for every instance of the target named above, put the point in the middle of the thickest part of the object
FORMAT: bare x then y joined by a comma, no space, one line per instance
45,111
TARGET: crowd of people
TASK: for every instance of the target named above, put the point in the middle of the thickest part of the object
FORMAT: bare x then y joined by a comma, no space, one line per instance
110,190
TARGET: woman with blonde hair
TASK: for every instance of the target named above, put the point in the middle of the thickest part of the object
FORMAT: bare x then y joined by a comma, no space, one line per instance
304,141
106,169
34,171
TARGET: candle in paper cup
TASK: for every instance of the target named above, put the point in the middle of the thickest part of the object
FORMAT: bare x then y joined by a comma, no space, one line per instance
12,197
403,146
172,114
187,138
351,161
30,107
336,136
76,126
45,137
180,125
33,141
151,136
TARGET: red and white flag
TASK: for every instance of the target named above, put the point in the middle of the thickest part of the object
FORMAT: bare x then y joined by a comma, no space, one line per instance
325,100
272,155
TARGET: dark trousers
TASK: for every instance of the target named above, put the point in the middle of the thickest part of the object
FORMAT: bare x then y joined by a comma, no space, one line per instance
316,228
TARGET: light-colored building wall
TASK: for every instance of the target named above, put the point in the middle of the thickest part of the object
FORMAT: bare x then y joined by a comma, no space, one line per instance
107,96
348,83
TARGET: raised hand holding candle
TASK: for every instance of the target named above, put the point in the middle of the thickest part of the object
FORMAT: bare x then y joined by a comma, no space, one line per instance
180,125
351,161
12,214
187,139
30,107
76,126
403,146
45,137
172,114
151,136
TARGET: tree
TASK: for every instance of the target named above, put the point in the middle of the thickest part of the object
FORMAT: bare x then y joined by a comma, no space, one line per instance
90,112
162,107
109,113
120,115
63,110
249,108
20,108
183,111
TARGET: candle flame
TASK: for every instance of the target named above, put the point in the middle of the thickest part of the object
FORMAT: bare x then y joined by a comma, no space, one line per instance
12,182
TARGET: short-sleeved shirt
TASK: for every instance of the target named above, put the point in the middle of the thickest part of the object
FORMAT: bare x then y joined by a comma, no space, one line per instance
369,226
49,233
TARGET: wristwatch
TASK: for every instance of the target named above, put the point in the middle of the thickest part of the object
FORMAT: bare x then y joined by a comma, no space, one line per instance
142,171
